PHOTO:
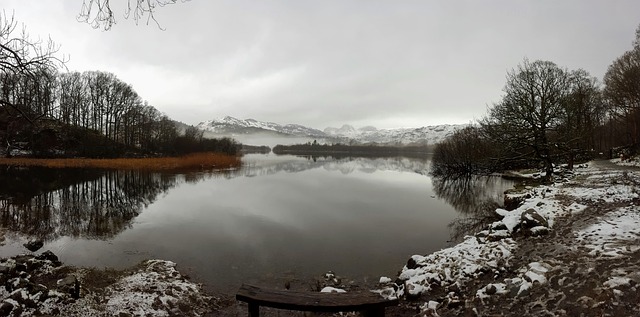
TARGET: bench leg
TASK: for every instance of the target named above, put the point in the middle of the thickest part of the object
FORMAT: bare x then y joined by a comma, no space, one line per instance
375,312
254,310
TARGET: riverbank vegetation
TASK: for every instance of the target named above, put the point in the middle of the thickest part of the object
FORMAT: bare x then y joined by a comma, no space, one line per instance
550,115
195,161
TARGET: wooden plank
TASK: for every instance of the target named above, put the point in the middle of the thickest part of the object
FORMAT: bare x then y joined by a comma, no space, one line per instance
312,301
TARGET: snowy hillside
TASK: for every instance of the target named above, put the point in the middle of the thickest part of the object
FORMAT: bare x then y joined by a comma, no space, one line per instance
231,125
345,134
430,134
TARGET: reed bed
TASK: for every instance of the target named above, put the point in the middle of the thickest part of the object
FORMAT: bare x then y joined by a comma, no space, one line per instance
197,161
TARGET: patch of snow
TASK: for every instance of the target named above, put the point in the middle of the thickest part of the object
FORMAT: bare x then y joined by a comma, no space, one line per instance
385,280
329,289
157,289
604,237
540,202
633,162
466,260
614,193
617,281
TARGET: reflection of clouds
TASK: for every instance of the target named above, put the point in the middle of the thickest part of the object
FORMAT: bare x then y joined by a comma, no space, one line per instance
296,164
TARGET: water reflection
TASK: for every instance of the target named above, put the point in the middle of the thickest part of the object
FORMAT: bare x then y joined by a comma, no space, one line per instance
260,165
276,217
49,203
475,197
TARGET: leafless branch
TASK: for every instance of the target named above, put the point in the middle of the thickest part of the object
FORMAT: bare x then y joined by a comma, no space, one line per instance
20,54
98,13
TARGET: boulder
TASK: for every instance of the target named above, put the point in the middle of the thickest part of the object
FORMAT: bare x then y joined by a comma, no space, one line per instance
531,218
412,264
34,245
49,256
5,308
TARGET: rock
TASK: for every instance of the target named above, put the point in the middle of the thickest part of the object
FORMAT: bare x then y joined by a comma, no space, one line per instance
21,267
34,245
532,218
512,202
5,269
70,285
48,255
491,289
498,225
539,231
5,308
412,264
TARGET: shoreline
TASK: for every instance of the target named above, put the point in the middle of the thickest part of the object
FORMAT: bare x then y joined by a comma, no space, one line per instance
570,248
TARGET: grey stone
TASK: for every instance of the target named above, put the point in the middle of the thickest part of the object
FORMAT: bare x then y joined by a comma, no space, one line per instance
5,308
34,245
531,218
491,289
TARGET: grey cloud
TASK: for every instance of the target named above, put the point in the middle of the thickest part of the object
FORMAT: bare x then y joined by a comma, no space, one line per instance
320,63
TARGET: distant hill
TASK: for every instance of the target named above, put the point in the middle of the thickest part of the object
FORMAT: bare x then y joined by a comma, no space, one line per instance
231,126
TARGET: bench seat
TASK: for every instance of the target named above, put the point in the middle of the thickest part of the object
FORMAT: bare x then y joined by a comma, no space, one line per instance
369,304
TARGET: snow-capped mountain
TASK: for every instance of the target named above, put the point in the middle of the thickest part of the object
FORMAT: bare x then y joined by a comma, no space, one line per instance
231,125
429,134
347,134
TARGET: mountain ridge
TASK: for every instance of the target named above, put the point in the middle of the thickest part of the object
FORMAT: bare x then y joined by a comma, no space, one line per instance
231,126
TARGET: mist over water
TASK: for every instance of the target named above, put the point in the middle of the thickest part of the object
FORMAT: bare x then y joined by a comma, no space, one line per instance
278,218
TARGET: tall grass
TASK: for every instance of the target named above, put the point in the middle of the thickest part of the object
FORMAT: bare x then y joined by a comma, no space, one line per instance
197,161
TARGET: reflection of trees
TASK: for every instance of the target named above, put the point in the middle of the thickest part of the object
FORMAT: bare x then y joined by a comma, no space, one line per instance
77,203
475,197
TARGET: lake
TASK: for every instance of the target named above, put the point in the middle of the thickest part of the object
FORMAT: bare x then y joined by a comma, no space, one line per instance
276,219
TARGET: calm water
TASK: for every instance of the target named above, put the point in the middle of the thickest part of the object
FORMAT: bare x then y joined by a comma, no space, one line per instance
278,218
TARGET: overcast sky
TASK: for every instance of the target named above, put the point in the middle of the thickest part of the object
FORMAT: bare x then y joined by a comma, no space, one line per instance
326,63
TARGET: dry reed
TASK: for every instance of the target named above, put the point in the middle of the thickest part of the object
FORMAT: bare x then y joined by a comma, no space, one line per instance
197,161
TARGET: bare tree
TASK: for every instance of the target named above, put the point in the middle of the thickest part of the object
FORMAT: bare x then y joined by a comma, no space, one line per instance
22,56
622,90
530,111
98,13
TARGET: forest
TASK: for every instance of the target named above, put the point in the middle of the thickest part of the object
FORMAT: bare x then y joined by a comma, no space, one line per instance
46,111
550,115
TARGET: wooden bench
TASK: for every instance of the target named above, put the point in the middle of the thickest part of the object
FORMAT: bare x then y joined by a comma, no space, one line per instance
368,304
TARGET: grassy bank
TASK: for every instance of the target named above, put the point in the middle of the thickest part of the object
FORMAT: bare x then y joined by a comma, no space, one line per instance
197,161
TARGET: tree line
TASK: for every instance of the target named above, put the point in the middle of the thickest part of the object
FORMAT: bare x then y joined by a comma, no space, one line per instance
550,115
56,113
343,150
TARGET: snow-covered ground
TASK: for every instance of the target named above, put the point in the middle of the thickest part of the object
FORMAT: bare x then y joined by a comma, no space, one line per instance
633,162
571,248
37,285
